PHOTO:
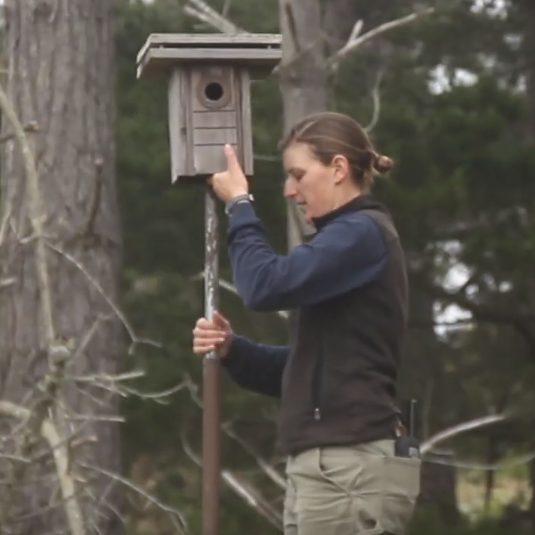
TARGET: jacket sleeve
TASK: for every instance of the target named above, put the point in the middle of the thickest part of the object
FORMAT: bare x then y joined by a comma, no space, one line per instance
349,253
256,367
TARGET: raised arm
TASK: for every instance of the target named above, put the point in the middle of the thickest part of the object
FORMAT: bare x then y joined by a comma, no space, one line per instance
256,367
348,253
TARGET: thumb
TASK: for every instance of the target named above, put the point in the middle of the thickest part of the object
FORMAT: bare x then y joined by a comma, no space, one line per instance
220,321
232,159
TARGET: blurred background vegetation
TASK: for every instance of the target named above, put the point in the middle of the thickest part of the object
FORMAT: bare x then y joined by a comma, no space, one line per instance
457,113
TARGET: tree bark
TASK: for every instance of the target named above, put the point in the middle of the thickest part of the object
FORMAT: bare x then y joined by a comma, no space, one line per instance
303,80
60,80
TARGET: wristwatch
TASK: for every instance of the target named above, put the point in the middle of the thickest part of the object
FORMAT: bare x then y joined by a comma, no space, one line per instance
239,198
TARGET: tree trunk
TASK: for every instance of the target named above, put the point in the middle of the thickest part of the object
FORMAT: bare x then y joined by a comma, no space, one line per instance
312,30
303,80
60,81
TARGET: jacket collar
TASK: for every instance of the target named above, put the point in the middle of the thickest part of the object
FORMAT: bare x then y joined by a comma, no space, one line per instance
362,202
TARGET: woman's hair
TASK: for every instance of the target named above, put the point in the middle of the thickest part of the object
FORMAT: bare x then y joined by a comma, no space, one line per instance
329,134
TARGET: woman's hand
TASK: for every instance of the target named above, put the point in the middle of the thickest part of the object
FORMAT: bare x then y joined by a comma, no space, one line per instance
232,182
215,335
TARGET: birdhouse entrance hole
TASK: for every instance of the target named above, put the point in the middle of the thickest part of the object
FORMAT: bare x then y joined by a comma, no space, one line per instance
213,91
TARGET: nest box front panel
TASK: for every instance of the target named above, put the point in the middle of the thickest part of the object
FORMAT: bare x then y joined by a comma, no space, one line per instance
216,116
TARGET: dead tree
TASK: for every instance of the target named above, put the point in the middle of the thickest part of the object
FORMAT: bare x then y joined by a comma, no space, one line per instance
60,260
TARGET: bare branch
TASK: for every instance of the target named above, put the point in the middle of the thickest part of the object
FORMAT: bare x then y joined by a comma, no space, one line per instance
202,11
376,98
354,41
226,428
36,214
15,458
202,17
14,411
30,127
113,306
266,467
226,8
176,517
88,336
3,225
61,458
355,32
111,384
252,497
66,479
292,27
134,374
517,461
451,432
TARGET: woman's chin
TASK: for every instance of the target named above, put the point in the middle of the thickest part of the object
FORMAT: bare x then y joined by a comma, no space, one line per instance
307,215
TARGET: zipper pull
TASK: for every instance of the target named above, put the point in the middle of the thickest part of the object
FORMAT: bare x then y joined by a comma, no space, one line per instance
317,414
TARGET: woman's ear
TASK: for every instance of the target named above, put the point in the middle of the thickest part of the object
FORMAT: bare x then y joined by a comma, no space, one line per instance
340,166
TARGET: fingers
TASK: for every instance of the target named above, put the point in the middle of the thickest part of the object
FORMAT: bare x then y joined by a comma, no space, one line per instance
207,336
218,323
232,160
221,321
201,348
214,335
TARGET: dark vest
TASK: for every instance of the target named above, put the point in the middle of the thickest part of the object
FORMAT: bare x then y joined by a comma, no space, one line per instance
339,384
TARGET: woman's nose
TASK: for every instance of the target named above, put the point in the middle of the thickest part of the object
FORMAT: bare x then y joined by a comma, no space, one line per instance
289,188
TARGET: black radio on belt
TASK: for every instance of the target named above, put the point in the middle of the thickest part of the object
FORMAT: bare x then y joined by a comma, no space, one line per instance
407,445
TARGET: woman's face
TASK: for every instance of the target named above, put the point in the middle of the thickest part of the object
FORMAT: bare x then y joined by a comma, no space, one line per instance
312,185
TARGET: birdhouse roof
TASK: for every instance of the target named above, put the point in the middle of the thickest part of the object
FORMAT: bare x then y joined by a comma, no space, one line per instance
258,52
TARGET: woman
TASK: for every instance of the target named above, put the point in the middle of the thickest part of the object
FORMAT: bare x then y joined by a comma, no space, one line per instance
337,378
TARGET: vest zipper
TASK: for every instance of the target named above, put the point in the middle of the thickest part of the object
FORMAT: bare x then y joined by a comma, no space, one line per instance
316,385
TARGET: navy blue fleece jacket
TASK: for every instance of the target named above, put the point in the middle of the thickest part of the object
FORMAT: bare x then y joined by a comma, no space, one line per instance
347,252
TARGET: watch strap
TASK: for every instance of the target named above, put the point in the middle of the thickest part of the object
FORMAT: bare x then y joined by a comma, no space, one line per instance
239,198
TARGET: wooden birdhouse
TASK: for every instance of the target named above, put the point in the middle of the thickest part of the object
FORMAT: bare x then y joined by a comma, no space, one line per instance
209,101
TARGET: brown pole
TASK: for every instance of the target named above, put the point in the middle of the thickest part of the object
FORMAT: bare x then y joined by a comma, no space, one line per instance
211,381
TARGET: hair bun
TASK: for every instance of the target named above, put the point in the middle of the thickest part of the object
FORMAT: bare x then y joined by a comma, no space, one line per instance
382,163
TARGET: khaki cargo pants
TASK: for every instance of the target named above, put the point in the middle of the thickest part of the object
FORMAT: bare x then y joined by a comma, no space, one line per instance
357,490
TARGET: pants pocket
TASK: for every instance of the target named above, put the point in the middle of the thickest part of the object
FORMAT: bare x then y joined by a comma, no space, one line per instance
362,490
401,487
356,474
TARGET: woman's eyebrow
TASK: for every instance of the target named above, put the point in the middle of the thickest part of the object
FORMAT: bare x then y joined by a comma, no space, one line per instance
294,170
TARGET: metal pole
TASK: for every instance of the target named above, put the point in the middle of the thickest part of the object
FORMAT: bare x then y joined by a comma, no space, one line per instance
211,381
